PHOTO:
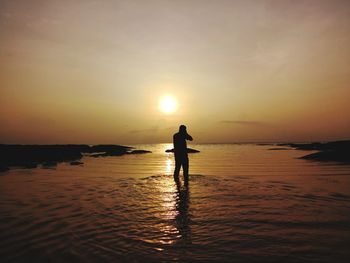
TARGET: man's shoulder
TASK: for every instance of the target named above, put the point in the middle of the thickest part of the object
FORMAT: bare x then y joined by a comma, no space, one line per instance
177,136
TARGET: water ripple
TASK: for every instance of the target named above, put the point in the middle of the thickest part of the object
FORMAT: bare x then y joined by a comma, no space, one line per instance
105,218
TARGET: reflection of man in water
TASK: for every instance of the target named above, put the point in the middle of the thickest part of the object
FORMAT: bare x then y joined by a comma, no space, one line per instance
180,152
183,215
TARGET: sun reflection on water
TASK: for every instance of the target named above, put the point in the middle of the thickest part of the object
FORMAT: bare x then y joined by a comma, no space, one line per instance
169,165
171,202
167,190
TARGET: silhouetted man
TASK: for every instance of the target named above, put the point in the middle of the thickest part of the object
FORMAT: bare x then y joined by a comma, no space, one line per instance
180,152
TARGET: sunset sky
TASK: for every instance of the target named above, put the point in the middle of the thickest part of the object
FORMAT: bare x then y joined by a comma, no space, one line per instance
240,71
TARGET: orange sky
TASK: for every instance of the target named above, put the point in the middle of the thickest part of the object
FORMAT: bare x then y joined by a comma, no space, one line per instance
242,71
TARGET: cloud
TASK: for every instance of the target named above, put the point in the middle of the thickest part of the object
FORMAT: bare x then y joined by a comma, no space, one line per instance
150,130
245,123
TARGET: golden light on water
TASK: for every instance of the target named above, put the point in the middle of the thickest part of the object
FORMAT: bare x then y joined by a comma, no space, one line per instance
168,104
169,166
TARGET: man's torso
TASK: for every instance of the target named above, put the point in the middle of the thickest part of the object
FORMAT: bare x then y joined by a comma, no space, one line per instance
180,145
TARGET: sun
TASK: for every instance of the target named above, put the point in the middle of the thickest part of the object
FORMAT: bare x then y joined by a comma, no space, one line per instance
168,104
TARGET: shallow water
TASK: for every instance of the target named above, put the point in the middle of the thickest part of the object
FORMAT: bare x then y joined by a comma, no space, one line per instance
244,203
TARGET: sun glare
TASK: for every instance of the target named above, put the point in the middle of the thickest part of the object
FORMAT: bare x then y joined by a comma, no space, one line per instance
167,104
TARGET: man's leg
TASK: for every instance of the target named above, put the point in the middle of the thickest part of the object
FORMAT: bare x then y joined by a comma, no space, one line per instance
185,167
177,167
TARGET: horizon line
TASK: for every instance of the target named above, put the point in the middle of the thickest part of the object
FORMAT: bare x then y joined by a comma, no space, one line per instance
135,143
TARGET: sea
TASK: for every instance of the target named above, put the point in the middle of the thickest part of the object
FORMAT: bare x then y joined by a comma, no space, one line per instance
243,203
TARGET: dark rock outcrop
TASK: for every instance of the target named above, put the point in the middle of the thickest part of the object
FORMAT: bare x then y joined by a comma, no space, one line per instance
329,156
278,149
105,154
189,150
104,150
30,156
108,148
337,151
303,146
139,152
76,163
4,168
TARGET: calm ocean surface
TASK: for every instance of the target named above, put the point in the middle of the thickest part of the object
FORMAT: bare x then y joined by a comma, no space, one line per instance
244,203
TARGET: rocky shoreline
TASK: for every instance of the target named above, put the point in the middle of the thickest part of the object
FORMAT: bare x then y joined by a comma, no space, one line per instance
337,151
189,150
30,156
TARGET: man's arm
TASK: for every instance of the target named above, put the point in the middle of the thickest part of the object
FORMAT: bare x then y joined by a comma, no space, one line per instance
189,137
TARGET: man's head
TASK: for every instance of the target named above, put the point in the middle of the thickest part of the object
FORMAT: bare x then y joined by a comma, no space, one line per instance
182,129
